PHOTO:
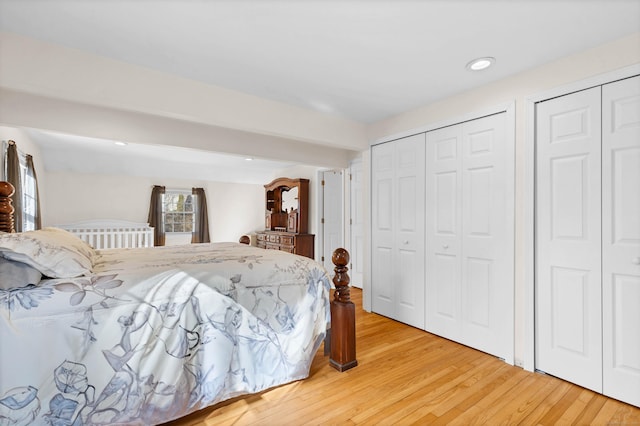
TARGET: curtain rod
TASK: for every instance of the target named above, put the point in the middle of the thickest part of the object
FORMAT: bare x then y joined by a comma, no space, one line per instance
189,190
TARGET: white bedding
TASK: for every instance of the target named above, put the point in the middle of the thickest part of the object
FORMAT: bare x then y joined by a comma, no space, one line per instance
156,333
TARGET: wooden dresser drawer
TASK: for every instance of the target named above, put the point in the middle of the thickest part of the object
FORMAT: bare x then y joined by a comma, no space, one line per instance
301,244
273,238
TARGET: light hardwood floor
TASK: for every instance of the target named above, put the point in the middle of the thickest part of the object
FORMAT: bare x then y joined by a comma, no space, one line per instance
407,376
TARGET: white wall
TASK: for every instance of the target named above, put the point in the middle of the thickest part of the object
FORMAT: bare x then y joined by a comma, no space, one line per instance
234,209
609,57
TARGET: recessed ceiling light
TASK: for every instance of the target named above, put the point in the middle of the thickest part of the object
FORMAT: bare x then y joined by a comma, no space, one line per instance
248,159
481,63
119,143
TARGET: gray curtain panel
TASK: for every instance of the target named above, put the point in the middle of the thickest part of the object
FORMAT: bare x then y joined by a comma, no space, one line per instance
201,227
13,177
155,215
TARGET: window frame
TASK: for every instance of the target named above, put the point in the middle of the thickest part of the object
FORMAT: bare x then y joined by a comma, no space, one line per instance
29,200
165,202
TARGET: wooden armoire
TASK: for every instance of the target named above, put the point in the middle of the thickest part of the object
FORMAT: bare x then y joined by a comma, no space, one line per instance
287,217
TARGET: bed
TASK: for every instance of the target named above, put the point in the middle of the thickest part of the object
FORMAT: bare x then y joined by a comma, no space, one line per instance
147,335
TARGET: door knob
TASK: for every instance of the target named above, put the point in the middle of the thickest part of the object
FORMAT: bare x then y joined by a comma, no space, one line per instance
445,246
406,242
636,260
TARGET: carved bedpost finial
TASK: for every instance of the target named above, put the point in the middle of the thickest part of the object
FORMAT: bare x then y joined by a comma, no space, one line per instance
341,279
343,316
6,207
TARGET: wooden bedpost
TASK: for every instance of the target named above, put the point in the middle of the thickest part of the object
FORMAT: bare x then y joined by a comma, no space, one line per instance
343,316
6,207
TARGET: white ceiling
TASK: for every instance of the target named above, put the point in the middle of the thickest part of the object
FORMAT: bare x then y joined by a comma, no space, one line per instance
364,60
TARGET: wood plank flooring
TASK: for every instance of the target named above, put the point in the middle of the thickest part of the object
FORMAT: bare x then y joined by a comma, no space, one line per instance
407,376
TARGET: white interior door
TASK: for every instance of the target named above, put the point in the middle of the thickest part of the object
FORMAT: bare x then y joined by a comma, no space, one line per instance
568,255
469,231
356,272
398,229
621,239
331,216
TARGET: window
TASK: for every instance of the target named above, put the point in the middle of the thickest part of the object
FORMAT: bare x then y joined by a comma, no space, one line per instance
178,211
28,196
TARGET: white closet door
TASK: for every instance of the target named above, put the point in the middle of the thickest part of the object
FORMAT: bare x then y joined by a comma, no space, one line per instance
621,239
443,232
398,229
383,227
568,299
469,231
487,237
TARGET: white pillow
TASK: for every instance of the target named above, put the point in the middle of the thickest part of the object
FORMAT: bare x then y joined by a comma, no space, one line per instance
56,253
17,274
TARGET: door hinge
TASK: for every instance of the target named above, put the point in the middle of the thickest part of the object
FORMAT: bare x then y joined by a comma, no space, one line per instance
322,182
322,220
350,221
323,258
350,176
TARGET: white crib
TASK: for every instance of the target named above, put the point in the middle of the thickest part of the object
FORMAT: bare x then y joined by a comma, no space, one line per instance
108,234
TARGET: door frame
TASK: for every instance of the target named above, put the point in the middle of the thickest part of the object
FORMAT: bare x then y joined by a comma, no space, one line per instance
529,194
349,241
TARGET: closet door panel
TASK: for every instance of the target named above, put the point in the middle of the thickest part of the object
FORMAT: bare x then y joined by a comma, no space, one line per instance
479,278
487,243
621,239
568,202
445,186
479,196
382,284
443,295
443,227
409,308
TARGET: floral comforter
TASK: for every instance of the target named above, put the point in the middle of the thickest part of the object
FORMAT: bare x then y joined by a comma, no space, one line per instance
154,334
